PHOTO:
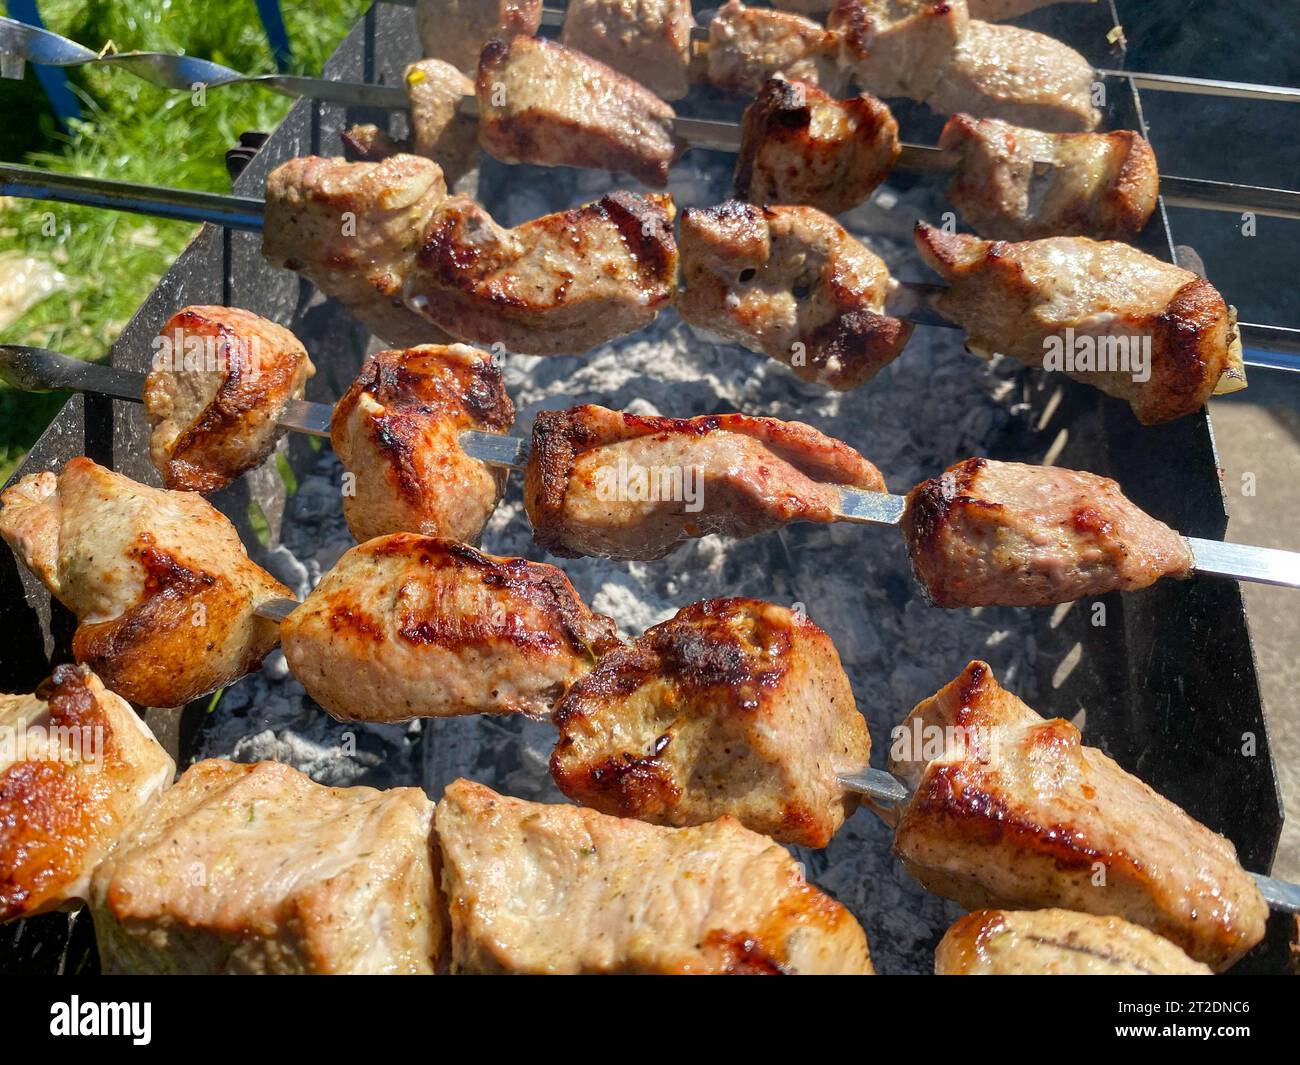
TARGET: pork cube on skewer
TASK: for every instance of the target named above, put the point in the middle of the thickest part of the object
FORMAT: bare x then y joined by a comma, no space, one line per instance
456,30
353,230
1019,76
647,40
790,283
988,533
734,706
1057,943
221,377
540,102
1147,332
408,626
899,47
556,285
257,869
1013,183
76,766
802,146
534,888
396,430
749,45
1015,812
937,54
627,486
439,129
163,590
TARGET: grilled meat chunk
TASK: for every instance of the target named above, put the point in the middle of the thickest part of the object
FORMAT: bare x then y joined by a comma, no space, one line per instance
627,486
410,626
1016,75
1016,812
76,766
556,285
790,283
749,45
256,869
802,146
647,40
353,229
534,888
163,590
221,377
734,706
439,131
1003,533
1056,943
456,30
397,431
1013,183
540,102
899,47
1104,313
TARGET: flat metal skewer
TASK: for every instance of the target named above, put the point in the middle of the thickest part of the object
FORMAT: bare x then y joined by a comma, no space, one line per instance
39,369
186,73
888,791
245,213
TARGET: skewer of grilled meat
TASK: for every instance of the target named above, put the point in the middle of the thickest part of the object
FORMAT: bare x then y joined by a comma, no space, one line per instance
1153,334
608,895
410,261
800,145
397,432
77,765
790,283
602,482
541,102
1017,813
407,626
165,595
1057,943
221,377
256,869
988,10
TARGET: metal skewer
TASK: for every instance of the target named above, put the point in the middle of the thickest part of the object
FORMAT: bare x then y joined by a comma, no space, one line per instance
888,791
185,73
39,369
244,212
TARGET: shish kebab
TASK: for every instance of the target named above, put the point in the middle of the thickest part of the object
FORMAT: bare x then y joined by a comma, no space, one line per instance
411,431
1009,182
740,708
416,264
252,869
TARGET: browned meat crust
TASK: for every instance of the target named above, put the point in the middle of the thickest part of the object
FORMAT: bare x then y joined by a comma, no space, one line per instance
1014,183
559,284
397,430
756,473
791,283
409,626
63,807
1004,533
1023,299
1017,813
213,423
540,102
802,146
734,706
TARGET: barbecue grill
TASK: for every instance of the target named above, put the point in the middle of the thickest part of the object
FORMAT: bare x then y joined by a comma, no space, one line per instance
1165,683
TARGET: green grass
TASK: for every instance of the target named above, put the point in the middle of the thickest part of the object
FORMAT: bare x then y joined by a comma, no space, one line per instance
132,131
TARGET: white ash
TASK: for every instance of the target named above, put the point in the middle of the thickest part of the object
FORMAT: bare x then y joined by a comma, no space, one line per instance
932,407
